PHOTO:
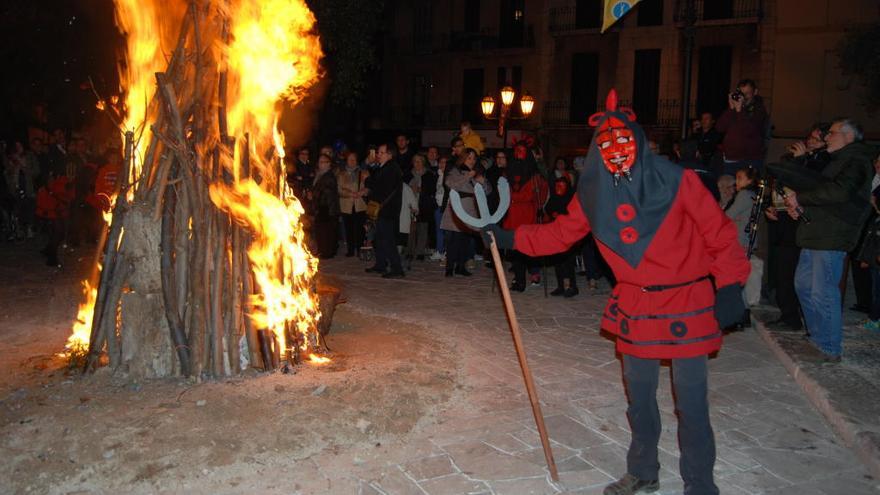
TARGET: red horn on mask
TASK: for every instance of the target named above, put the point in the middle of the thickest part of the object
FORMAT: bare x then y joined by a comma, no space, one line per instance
611,102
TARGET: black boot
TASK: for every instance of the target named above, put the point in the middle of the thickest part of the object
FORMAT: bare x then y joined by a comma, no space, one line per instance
558,291
630,485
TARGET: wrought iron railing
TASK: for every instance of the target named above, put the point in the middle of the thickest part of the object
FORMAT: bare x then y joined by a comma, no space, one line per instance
665,115
719,11
567,18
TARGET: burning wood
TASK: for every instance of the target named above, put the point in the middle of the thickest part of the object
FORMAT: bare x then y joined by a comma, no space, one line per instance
205,255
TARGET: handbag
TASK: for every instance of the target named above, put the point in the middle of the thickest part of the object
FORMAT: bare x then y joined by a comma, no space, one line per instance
374,207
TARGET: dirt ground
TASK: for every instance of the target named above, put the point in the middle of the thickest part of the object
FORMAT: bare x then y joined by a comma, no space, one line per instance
62,432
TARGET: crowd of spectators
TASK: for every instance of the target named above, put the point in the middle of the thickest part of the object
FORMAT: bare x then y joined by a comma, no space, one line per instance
55,185
390,205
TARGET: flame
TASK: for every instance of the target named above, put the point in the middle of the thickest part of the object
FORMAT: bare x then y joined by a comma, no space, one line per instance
283,267
316,359
273,56
149,37
78,342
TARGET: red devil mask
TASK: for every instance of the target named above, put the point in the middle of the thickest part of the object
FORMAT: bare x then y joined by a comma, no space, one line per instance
616,142
520,151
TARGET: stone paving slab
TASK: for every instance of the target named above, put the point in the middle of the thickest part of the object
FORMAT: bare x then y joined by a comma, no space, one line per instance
770,438
847,393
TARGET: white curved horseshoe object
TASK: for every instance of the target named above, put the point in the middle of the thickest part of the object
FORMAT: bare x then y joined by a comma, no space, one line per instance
485,216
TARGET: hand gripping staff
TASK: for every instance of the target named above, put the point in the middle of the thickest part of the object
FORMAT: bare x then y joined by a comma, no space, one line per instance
485,218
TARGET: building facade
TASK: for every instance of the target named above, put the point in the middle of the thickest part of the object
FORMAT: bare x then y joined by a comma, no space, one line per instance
444,57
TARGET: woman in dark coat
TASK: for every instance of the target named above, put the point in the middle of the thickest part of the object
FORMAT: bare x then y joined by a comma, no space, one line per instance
325,207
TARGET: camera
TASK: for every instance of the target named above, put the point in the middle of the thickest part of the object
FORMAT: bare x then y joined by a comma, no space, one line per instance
736,95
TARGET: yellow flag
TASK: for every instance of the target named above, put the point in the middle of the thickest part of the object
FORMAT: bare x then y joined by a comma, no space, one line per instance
615,9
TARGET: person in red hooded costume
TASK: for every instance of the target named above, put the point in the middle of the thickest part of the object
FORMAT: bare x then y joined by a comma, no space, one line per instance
680,272
528,193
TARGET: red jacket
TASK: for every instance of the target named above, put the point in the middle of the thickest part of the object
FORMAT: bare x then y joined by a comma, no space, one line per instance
525,201
105,187
695,239
53,199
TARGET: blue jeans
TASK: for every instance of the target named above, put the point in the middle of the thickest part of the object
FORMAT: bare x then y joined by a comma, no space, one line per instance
817,283
695,437
438,217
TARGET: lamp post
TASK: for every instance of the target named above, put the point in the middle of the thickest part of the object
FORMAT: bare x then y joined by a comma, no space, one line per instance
508,95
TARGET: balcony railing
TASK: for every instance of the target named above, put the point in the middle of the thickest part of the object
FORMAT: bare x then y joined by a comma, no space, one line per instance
559,114
567,18
460,41
707,12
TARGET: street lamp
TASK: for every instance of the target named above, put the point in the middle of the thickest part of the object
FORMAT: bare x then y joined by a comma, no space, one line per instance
508,95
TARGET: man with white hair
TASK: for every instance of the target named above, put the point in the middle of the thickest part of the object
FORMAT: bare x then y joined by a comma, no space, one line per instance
833,206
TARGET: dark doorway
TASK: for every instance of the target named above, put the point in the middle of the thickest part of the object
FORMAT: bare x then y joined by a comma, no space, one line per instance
471,95
717,9
713,79
646,85
584,86
512,23
588,14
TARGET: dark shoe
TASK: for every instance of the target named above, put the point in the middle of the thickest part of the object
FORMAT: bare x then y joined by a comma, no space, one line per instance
420,257
448,273
397,274
830,358
463,272
349,255
557,291
630,485
374,269
518,287
571,292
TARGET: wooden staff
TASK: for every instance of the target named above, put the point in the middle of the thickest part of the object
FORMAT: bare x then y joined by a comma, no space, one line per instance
523,363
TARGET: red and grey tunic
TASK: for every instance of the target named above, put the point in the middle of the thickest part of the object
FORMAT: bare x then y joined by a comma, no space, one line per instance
663,304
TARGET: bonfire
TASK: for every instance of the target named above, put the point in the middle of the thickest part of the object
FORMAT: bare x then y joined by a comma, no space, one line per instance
204,269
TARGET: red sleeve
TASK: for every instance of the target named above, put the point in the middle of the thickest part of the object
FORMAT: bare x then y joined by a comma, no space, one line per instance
554,237
729,263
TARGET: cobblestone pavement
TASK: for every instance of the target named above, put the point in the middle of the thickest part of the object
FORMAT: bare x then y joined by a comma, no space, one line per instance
769,438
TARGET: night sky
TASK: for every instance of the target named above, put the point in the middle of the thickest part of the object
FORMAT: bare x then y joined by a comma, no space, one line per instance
51,48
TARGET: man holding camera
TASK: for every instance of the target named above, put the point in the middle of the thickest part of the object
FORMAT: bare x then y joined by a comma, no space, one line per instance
744,125
837,203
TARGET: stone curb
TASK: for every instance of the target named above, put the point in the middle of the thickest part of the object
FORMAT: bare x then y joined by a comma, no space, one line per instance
866,450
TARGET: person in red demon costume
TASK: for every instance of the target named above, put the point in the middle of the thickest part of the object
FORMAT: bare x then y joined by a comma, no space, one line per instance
528,192
680,272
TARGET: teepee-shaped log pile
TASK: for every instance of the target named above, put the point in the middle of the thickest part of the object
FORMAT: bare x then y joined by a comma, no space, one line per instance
178,289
